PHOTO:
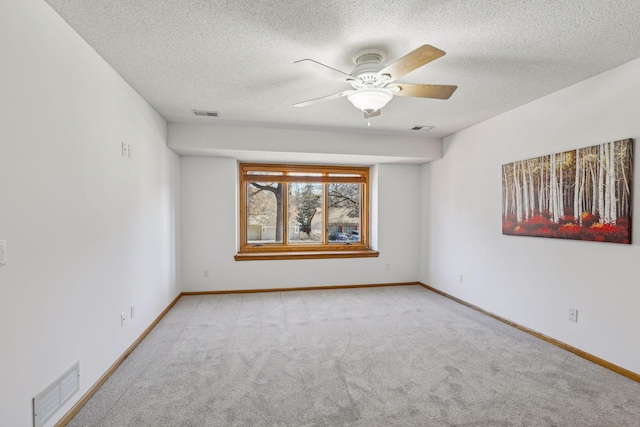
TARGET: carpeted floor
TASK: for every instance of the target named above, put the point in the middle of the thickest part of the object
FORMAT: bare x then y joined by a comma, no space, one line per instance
387,356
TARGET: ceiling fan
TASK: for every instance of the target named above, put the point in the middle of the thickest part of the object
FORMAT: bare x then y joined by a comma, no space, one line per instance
375,84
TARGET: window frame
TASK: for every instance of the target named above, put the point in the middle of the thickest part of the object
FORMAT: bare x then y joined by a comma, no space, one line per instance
288,250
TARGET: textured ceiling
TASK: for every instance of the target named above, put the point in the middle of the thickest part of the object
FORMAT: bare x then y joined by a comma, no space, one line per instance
237,57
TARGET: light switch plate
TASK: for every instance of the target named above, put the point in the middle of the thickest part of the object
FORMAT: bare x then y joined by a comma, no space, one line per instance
3,252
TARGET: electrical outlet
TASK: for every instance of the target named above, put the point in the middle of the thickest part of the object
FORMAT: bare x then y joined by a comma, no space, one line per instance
573,314
3,252
122,318
127,151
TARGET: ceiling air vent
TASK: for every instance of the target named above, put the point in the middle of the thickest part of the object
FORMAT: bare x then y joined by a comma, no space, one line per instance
206,113
422,128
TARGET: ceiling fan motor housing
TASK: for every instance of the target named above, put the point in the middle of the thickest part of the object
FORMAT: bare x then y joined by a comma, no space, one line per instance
368,63
370,93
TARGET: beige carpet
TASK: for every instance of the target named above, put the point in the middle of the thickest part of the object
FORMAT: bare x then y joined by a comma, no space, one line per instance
389,356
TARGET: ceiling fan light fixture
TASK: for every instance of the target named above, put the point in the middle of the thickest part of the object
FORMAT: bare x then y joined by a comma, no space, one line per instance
374,84
370,100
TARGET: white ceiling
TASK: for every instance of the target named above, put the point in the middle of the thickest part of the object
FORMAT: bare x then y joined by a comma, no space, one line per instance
237,57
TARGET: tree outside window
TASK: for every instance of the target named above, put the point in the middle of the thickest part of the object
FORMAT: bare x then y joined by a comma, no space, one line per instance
285,208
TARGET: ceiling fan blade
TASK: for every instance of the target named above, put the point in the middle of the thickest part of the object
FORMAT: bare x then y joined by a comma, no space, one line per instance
372,114
411,61
328,71
324,98
424,91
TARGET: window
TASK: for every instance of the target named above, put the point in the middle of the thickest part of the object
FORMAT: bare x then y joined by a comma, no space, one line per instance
289,212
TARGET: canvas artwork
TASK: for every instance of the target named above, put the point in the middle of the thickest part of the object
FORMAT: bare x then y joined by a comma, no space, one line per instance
584,194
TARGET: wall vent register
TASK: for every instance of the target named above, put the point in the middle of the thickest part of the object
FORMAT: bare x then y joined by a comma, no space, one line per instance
48,401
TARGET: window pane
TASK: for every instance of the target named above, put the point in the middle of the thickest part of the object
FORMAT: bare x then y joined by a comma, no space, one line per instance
344,212
265,213
305,212
304,174
264,173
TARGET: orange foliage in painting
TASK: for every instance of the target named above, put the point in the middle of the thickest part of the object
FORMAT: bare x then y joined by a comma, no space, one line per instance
584,228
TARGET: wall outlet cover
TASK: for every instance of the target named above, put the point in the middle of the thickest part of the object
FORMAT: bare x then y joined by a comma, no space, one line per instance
3,252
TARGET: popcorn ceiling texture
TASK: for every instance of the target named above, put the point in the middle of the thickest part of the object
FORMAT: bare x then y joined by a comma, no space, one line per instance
237,57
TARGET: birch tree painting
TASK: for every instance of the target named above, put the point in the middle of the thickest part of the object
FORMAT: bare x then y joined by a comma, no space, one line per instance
584,194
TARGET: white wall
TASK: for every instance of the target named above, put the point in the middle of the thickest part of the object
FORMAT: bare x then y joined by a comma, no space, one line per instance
271,144
534,281
88,232
209,234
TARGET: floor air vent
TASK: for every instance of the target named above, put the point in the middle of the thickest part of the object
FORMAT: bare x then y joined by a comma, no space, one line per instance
48,401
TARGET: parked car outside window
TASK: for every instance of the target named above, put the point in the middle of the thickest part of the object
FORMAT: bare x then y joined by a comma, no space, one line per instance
338,237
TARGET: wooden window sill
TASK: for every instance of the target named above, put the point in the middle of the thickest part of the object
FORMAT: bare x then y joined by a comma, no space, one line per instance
264,256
